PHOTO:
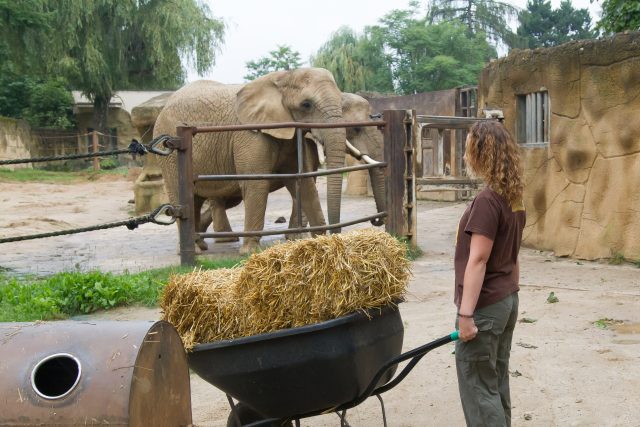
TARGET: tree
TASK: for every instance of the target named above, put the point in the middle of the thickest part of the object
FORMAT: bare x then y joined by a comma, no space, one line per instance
23,27
620,15
540,26
431,57
109,45
358,63
283,58
479,16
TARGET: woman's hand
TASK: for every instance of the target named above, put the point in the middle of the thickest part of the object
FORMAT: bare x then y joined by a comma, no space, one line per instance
467,329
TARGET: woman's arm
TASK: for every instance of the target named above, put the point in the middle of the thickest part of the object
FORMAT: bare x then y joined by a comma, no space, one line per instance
479,253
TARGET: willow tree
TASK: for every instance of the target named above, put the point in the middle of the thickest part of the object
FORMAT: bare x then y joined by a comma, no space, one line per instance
358,62
107,45
479,16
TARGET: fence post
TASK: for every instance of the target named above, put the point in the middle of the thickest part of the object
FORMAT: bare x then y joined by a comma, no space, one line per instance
400,174
96,160
186,224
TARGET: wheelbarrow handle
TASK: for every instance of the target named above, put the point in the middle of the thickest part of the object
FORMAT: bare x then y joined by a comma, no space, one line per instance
415,355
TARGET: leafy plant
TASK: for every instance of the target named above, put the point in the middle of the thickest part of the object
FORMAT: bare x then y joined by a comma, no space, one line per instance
70,293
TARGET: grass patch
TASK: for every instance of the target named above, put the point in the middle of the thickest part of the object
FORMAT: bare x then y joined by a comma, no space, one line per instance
412,253
617,259
70,293
606,323
41,175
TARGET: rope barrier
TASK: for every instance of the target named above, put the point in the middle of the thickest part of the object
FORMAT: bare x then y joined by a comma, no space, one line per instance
162,215
134,148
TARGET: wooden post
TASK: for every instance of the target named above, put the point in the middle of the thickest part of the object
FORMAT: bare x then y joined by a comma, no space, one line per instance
400,174
96,160
186,223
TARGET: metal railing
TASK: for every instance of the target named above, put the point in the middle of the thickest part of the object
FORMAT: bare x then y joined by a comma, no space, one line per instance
398,139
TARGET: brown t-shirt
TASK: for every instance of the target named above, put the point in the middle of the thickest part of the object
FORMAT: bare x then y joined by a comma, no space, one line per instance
492,216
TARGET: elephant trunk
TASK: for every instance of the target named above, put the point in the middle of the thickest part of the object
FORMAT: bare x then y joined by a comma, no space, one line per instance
376,176
335,153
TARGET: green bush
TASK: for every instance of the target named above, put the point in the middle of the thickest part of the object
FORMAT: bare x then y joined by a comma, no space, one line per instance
44,103
67,294
109,163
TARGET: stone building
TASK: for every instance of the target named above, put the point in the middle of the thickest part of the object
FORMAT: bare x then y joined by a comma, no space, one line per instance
575,109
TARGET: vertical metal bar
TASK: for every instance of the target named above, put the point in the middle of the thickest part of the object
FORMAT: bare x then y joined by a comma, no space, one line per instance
300,148
440,152
539,118
394,142
186,224
547,118
528,118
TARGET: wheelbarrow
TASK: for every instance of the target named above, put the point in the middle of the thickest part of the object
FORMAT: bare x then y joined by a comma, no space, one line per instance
282,377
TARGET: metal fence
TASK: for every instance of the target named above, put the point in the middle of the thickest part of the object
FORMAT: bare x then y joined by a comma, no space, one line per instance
399,178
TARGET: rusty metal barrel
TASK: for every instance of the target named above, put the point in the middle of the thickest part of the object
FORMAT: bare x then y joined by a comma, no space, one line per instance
77,373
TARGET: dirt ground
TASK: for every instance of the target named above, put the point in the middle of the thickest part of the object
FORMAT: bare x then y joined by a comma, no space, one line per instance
566,369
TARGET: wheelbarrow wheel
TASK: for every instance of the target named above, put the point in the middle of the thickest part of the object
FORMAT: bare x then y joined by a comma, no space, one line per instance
246,415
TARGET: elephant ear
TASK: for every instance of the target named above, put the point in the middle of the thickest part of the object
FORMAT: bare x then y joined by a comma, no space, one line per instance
260,101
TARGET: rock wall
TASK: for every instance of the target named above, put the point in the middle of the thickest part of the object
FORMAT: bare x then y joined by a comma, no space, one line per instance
581,188
16,142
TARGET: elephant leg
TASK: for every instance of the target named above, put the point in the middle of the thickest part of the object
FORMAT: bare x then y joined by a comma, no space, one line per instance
220,220
311,204
197,207
293,220
254,195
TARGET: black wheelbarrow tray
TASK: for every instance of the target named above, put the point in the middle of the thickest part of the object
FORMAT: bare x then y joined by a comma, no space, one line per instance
310,370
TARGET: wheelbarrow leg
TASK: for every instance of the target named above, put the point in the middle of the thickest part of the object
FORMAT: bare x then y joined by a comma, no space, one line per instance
234,411
384,414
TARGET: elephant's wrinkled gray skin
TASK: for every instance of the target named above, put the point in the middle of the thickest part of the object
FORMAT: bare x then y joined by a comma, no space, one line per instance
367,139
302,95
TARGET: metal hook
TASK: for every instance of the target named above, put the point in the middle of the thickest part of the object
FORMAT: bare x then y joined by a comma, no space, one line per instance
163,215
159,146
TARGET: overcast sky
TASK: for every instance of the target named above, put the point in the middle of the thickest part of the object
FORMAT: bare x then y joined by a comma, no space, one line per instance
256,27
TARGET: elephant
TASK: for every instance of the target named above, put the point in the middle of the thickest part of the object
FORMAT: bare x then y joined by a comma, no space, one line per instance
367,140
299,95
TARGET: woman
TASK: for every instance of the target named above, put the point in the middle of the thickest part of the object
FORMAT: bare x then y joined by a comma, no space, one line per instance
487,275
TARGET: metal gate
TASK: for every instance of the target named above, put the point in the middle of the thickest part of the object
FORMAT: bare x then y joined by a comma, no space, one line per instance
399,163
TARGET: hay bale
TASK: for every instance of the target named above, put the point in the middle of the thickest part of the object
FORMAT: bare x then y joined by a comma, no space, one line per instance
289,285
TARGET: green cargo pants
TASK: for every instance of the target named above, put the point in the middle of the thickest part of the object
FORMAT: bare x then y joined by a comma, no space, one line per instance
483,365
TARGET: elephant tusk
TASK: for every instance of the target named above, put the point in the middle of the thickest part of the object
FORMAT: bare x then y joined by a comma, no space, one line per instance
368,160
358,155
353,150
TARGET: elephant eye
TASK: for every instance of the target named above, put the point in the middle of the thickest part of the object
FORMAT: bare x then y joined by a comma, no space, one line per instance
306,104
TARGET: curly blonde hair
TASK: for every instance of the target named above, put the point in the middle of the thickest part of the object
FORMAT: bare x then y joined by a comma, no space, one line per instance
493,155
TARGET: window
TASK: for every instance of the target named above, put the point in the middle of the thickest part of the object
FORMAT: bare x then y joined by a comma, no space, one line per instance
533,118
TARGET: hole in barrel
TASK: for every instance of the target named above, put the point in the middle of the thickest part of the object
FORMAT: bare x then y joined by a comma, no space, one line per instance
56,376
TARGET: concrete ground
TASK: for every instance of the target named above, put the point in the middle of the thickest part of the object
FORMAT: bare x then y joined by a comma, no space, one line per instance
574,362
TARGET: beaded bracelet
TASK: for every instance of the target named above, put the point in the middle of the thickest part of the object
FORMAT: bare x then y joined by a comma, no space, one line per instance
465,316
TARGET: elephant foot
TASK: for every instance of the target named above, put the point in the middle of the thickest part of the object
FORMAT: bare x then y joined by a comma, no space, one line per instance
249,247
226,239
296,236
202,245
